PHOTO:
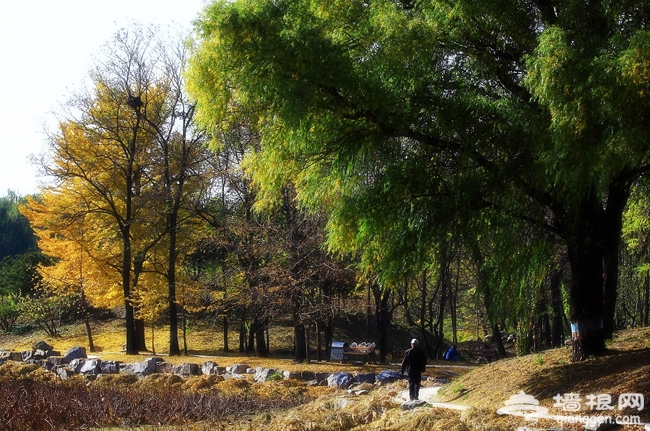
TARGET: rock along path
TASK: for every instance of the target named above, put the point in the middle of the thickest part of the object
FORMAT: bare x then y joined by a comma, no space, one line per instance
429,392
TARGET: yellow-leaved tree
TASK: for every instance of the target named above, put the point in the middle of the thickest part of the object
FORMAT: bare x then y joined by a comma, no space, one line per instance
129,170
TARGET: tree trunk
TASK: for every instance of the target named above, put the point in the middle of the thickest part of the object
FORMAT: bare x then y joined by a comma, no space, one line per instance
453,305
496,334
556,308
617,198
329,334
307,344
383,319
319,340
586,297
174,349
184,331
141,335
225,333
440,323
242,334
260,339
646,300
252,330
131,344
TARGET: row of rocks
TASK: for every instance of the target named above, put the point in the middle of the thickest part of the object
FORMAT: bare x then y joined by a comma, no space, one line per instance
75,361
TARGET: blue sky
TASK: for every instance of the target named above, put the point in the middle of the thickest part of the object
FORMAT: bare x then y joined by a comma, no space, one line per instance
47,47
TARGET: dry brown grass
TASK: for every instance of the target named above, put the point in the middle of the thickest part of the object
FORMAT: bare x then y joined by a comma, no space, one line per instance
482,388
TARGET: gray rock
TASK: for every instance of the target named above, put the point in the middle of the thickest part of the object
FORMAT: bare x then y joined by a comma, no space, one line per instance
364,378
110,367
291,375
164,367
40,354
209,368
263,374
27,355
127,368
341,380
42,345
62,372
3,360
148,366
410,405
52,362
238,368
76,364
387,376
185,370
75,353
307,376
321,376
91,367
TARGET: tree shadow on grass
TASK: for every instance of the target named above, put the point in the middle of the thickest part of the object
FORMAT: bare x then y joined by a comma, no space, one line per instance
614,373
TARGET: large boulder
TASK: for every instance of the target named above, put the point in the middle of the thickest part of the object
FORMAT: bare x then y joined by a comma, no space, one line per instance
263,374
291,375
341,380
387,376
76,352
321,377
209,368
238,368
42,345
110,367
62,372
410,405
53,361
364,378
308,376
146,367
164,368
91,367
186,370
76,364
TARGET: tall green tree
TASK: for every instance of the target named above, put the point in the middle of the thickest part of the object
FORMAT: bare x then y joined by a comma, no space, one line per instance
16,236
412,116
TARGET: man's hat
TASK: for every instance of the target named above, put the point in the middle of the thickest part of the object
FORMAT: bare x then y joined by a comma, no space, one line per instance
414,341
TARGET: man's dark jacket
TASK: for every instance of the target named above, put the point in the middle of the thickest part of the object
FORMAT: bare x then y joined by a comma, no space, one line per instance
415,361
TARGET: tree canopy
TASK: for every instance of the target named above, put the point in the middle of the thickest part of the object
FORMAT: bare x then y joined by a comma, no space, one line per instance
412,121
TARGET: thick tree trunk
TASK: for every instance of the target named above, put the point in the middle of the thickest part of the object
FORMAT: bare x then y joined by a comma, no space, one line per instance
586,298
140,335
260,339
617,197
131,344
383,319
299,341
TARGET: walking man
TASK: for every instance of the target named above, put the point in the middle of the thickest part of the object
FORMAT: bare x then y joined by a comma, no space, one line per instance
415,361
